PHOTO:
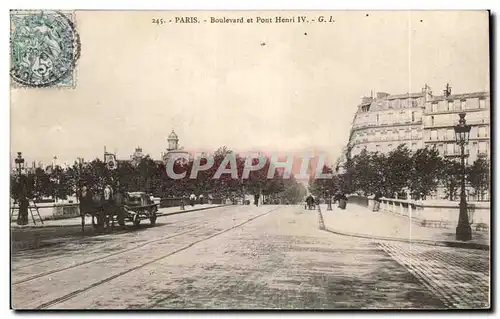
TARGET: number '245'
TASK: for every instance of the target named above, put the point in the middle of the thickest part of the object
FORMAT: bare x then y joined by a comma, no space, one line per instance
158,21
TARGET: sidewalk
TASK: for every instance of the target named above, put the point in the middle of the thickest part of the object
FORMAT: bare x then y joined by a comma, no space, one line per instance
77,221
360,221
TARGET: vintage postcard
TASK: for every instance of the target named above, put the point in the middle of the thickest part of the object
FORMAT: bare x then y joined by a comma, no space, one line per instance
250,160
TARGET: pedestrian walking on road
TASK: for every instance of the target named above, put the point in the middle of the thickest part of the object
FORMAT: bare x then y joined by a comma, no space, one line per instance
108,204
256,200
201,199
376,203
192,199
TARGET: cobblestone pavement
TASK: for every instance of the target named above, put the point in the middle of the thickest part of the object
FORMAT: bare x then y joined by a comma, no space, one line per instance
240,257
458,277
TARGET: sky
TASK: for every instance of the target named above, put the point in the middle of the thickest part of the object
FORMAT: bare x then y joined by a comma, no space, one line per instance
260,87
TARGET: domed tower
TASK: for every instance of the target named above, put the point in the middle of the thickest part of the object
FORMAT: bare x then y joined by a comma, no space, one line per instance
173,141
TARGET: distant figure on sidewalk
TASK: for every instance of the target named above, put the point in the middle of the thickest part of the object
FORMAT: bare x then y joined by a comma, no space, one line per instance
256,200
201,199
108,205
376,203
316,201
192,199
342,201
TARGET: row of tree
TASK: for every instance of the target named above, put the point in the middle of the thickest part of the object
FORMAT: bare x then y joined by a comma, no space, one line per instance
392,175
151,177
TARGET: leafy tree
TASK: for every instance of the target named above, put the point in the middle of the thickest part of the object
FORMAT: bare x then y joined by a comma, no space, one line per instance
366,172
146,170
60,183
294,192
450,176
257,180
322,187
394,171
478,176
424,178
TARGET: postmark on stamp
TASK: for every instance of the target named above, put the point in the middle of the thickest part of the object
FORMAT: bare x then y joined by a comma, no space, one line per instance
44,48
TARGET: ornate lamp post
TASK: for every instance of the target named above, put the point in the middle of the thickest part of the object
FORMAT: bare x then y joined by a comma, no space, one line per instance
19,163
462,130
22,217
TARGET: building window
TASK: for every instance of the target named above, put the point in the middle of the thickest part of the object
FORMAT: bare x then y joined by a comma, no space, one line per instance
378,118
413,116
462,104
451,134
413,146
441,149
483,148
414,103
434,135
481,132
390,147
449,148
434,107
482,103
450,105
432,120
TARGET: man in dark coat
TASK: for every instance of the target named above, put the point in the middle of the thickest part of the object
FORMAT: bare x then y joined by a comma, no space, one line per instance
22,216
86,205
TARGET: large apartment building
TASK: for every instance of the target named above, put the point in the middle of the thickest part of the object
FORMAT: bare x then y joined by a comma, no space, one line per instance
441,114
383,122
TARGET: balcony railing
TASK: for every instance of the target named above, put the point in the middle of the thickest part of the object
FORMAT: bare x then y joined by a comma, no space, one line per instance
453,122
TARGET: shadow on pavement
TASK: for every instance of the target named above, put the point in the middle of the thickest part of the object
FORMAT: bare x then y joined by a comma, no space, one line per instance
61,239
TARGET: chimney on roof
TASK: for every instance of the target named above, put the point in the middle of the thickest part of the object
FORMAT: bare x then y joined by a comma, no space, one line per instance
447,90
366,99
427,92
382,95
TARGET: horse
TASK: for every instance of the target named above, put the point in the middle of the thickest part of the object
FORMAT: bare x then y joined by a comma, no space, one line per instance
95,207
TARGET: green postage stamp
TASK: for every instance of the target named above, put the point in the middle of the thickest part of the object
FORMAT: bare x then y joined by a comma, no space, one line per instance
44,48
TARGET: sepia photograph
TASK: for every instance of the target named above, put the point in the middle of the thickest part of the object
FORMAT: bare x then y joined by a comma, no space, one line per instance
250,160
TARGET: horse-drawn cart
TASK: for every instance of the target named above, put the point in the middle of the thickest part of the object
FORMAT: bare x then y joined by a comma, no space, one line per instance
138,206
131,206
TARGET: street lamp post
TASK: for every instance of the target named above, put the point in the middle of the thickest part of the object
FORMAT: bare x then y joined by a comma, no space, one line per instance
19,163
462,130
22,196
328,201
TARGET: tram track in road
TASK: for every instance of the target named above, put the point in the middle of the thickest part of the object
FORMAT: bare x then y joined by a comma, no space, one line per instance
77,292
97,250
49,289
50,272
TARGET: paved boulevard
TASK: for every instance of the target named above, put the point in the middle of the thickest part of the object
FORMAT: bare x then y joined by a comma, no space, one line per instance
243,257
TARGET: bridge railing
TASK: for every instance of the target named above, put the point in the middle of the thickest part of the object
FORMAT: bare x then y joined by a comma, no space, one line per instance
430,213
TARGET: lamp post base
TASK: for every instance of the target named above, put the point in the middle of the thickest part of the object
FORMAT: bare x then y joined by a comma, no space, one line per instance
329,203
463,232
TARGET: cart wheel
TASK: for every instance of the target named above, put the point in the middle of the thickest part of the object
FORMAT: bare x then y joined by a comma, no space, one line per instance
152,219
136,220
